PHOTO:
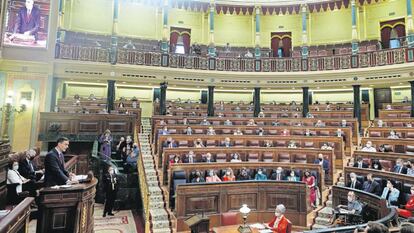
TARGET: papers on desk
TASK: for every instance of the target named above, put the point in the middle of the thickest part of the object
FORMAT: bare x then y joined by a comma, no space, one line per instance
81,177
257,226
265,231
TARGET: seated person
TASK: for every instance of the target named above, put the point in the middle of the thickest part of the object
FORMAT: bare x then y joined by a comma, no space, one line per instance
393,135
14,177
323,162
235,158
376,165
185,121
260,132
374,227
354,182
169,143
326,146
388,107
212,177
198,143
260,175
164,131
208,158
238,132
229,176
211,131
371,186
226,142
131,160
360,163
353,207
190,157
28,169
220,114
205,122
292,144
292,176
408,125
319,123
198,178
176,159
261,115
279,223
308,133
228,122
285,132
188,131
268,143
368,147
410,167
407,210
251,123
380,123
399,167
343,123
162,122
390,193
244,174
309,115
275,123
278,175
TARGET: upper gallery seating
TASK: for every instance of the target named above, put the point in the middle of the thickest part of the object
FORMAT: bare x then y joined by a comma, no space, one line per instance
88,47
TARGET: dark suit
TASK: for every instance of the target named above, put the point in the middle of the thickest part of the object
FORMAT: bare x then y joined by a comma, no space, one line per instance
204,160
27,169
325,165
26,22
55,173
400,169
373,187
357,185
282,176
364,165
111,188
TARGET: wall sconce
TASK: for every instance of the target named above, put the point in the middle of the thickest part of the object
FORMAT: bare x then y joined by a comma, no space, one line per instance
8,108
244,210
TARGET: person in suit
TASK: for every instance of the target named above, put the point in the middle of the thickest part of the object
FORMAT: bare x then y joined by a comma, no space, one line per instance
399,167
371,186
28,20
208,158
226,142
190,157
278,175
390,193
111,188
28,169
323,162
170,143
360,163
55,172
279,223
244,174
354,182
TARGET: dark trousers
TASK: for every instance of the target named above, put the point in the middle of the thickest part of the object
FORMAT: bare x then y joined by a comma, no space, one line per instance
110,200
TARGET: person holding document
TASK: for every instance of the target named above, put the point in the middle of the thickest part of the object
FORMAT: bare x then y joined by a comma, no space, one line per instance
279,223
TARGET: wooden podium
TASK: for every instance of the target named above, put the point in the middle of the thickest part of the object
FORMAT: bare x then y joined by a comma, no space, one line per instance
198,224
67,210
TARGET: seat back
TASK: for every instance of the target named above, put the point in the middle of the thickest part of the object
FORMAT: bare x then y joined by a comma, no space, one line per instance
284,158
268,157
300,158
229,218
309,144
253,157
182,143
198,131
221,158
253,143
374,134
211,143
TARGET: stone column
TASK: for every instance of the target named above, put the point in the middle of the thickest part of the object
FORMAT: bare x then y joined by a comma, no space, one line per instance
210,101
357,105
256,101
110,95
305,105
163,98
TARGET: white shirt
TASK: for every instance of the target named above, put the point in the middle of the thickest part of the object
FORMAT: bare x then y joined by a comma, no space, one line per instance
14,177
369,149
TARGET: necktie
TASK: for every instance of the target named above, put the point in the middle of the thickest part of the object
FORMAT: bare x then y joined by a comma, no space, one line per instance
278,176
399,169
62,160
359,165
31,166
353,184
112,182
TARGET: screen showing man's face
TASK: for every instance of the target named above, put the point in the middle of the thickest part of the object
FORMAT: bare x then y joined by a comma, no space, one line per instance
29,4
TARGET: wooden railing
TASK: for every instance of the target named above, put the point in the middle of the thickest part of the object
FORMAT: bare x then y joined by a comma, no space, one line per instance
143,187
335,62
18,218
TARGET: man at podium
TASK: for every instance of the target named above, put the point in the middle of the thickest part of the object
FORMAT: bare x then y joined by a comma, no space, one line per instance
55,172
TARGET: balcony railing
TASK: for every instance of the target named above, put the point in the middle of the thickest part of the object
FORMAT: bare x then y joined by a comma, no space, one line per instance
319,63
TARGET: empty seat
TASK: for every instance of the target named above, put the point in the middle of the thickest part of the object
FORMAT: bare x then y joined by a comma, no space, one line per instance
324,133
210,143
273,132
309,145
284,158
397,124
198,131
297,132
374,134
253,157
268,157
172,131
386,164
391,115
409,135
238,143
183,143
281,143
300,158
216,123
253,143
226,131
410,150
405,115
229,218
248,131
221,158
171,122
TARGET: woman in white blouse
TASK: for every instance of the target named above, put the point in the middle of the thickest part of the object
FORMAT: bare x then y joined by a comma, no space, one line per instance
14,177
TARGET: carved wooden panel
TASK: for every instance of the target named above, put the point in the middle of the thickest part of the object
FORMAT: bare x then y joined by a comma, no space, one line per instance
201,203
86,126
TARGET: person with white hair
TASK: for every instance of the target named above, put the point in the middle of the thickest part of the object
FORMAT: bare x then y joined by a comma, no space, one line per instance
368,147
279,223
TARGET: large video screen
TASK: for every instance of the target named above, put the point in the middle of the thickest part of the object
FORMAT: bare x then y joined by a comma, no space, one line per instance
27,23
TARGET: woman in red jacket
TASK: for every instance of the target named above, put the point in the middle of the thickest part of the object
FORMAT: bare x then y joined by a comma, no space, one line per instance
279,223
407,212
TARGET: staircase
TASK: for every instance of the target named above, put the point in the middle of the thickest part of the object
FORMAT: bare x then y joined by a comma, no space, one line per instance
158,215
324,216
